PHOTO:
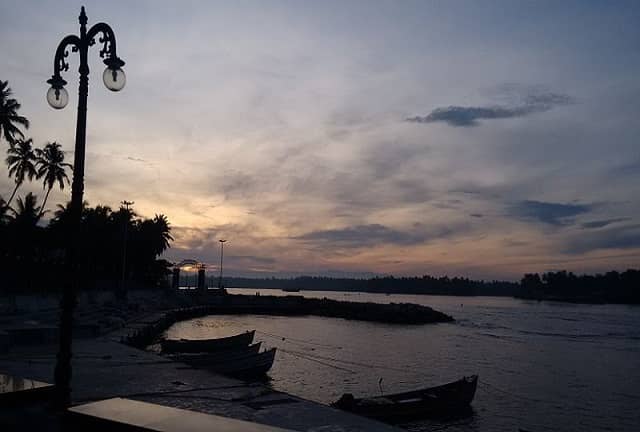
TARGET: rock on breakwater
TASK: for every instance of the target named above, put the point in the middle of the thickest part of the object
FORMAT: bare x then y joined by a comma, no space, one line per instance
393,313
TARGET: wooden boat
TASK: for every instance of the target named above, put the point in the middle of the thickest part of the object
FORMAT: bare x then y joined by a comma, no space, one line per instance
205,359
252,366
291,289
242,363
206,345
437,401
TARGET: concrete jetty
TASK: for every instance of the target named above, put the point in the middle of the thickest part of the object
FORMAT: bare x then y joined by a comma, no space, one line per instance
104,367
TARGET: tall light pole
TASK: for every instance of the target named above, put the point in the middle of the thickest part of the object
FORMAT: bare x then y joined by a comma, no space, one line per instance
58,98
222,242
123,290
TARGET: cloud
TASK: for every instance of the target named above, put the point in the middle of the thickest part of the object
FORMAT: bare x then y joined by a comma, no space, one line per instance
134,159
252,259
465,116
621,237
602,223
376,234
627,169
361,235
548,212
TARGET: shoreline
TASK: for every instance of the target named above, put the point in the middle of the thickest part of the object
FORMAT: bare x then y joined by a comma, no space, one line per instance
111,365
240,304
549,298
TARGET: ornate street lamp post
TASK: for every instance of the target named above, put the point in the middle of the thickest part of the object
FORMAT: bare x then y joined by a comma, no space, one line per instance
58,98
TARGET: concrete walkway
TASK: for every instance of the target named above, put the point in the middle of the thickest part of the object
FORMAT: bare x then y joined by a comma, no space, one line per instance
104,368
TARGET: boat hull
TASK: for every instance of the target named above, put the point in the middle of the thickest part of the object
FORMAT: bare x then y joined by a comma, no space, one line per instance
206,359
248,367
170,346
446,400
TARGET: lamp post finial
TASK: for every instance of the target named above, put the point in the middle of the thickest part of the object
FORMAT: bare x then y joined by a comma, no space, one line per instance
83,16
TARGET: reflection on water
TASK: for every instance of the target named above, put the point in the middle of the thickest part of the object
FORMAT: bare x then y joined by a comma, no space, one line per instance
543,366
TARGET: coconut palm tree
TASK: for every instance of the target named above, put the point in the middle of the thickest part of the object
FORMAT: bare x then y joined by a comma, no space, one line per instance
3,212
154,235
51,168
163,233
9,118
61,217
21,160
27,212
60,225
24,238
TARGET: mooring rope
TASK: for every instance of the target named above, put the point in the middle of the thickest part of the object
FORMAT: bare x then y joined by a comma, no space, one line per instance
299,341
490,387
310,358
347,362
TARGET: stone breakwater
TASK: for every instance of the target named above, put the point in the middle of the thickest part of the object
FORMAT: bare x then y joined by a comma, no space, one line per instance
235,304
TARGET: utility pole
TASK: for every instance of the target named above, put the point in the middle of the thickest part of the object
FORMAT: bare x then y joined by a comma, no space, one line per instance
123,290
222,242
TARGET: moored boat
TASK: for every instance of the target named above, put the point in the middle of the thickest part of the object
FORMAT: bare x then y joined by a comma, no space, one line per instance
206,345
252,366
205,359
437,401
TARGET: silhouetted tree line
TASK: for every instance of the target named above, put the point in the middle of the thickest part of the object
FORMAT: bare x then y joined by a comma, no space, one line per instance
32,255
610,287
388,284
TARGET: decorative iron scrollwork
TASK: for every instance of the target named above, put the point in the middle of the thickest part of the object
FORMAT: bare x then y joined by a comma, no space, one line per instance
100,31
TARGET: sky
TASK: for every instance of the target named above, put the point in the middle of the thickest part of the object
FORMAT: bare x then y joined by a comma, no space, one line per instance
480,139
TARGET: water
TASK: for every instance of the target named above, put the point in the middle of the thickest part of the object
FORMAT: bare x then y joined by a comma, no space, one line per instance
543,366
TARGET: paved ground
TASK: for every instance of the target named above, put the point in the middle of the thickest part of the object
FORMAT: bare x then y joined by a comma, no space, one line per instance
104,368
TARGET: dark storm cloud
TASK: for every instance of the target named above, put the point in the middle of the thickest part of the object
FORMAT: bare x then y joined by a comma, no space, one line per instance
376,234
602,223
461,116
621,237
548,212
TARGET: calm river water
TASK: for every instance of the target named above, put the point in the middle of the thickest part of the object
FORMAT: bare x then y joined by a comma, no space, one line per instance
543,366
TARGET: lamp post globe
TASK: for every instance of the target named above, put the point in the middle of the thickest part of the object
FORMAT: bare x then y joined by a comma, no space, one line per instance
57,98
113,76
114,79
